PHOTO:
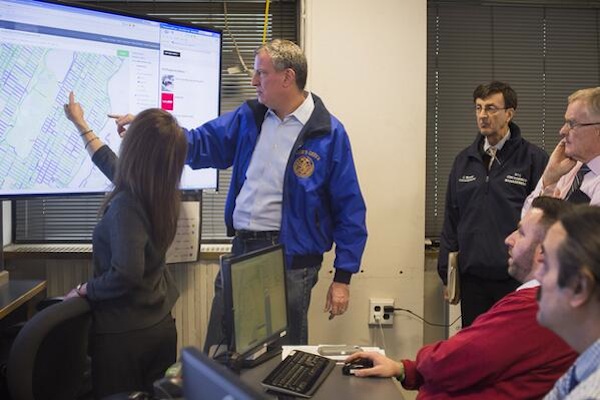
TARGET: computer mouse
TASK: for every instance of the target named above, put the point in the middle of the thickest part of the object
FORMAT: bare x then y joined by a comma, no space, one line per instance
359,363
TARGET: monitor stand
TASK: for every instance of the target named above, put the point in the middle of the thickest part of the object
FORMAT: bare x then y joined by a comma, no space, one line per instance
222,355
262,355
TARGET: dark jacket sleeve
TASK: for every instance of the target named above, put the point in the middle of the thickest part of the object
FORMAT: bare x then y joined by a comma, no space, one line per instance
448,237
538,165
106,160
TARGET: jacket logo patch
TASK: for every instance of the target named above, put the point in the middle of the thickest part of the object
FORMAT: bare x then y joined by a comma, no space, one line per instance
304,167
516,179
467,178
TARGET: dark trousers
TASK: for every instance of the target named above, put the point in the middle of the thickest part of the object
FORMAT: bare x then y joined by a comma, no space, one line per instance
132,361
300,282
478,295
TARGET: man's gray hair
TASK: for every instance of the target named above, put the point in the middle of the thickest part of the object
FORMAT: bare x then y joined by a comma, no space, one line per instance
286,54
590,97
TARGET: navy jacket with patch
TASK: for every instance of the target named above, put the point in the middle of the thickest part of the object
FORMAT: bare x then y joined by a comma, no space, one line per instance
322,201
483,208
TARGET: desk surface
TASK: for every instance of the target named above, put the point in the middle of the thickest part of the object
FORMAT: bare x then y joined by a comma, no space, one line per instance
17,292
336,386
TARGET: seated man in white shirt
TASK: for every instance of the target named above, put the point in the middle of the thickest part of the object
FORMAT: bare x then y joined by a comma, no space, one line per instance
573,171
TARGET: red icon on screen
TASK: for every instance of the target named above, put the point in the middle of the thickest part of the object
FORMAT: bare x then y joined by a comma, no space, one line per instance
166,101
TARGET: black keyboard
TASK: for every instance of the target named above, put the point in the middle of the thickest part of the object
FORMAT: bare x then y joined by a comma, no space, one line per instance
300,374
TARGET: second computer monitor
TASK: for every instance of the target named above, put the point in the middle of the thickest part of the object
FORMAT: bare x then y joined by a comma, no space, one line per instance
203,379
255,299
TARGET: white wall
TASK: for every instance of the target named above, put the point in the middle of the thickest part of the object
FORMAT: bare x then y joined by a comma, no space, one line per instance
367,61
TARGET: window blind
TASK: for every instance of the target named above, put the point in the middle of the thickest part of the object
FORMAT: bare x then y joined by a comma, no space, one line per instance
544,49
54,219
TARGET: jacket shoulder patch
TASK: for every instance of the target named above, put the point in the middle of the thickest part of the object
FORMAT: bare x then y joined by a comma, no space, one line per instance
304,167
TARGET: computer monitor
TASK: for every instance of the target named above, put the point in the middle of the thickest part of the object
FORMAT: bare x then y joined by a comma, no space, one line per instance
204,379
255,299
115,63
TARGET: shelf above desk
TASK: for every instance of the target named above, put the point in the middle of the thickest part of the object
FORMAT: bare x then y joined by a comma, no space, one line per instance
17,292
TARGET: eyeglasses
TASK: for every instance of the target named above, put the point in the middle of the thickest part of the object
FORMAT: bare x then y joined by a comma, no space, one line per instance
574,124
489,110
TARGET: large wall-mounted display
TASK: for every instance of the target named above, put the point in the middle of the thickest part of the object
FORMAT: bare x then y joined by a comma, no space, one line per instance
115,63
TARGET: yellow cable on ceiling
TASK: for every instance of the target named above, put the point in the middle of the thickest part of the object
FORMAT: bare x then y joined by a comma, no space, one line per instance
264,40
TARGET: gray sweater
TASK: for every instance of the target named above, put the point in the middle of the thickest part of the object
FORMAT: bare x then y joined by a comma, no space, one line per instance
131,288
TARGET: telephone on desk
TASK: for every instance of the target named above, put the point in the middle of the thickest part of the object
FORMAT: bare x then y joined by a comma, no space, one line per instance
167,388
171,386
164,389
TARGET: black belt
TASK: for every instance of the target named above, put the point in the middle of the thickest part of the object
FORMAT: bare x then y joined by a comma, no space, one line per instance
257,235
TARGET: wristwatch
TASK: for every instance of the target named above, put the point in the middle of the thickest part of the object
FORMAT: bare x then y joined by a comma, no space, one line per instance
78,290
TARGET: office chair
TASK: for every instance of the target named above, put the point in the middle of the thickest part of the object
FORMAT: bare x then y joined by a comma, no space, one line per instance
49,356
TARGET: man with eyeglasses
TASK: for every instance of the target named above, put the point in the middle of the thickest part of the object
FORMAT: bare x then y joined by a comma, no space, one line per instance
487,186
573,171
569,298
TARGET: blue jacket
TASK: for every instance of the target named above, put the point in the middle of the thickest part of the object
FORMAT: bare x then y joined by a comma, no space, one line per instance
322,202
483,208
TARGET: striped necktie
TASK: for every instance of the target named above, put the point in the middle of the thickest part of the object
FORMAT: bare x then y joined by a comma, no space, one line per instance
492,153
578,180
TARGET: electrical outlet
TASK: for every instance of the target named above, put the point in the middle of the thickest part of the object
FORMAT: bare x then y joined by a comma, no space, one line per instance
215,248
377,313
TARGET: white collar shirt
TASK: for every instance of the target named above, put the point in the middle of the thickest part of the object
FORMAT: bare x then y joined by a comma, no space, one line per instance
499,145
590,185
258,205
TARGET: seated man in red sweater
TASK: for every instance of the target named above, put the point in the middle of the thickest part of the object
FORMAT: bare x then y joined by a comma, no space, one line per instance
505,353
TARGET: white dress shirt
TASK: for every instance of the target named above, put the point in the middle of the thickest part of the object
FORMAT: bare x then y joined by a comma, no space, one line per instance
258,205
590,185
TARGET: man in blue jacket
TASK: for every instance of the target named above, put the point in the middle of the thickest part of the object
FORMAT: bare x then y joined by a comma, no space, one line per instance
293,182
487,186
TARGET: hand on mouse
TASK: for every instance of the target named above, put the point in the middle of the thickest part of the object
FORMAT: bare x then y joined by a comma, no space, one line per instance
382,366
350,368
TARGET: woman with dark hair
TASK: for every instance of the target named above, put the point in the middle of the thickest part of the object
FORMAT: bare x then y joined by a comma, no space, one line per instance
133,339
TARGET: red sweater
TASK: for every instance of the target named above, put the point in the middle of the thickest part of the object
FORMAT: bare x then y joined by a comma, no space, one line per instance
504,354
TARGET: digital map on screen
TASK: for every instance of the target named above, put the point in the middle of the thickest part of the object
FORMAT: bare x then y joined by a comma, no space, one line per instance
115,65
40,148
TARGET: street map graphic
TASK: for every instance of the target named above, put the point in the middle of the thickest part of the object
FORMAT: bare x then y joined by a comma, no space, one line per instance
40,149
